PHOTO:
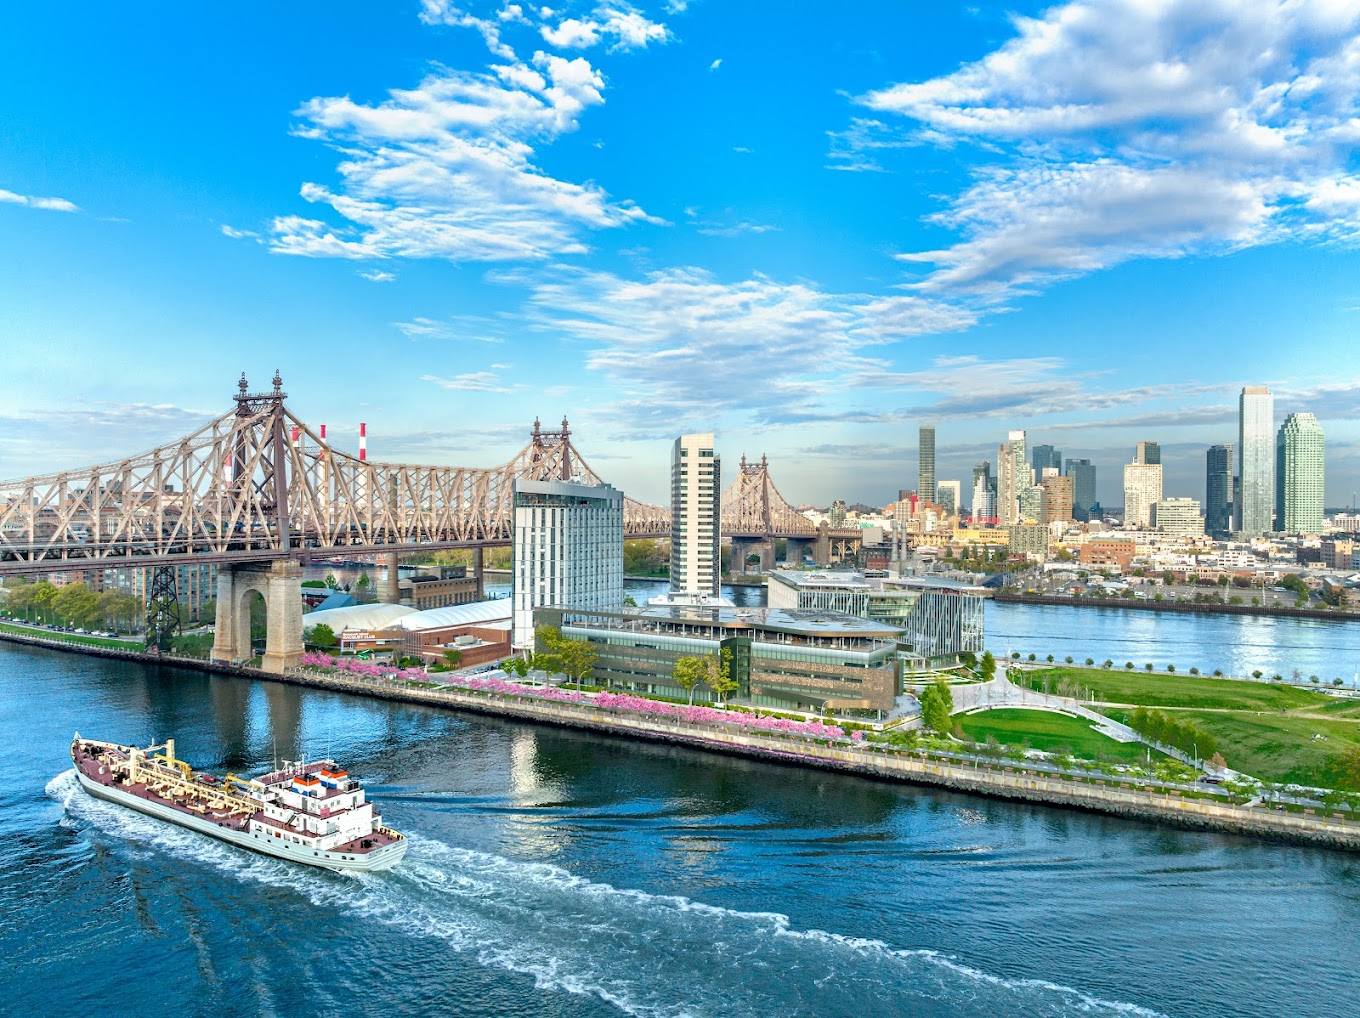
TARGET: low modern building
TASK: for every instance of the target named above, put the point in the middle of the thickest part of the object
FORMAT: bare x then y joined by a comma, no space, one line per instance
1107,552
1178,516
937,619
438,587
799,660
1028,539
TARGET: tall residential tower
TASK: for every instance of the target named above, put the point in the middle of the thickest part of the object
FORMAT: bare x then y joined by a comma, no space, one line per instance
1218,490
568,541
1014,477
1254,511
1299,472
696,513
925,477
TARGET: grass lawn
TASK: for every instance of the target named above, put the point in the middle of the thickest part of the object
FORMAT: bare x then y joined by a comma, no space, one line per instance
1278,747
1159,689
1040,729
89,641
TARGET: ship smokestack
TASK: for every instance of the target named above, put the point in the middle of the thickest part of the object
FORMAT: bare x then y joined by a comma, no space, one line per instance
363,442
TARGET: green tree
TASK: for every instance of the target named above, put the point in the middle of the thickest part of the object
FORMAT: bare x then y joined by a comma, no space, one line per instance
574,658
76,603
937,704
718,668
453,657
688,672
331,582
363,589
320,635
988,665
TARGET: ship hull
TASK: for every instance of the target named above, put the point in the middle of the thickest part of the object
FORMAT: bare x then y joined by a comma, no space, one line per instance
383,858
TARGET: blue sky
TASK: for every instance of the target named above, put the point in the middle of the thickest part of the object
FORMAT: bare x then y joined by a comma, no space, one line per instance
807,229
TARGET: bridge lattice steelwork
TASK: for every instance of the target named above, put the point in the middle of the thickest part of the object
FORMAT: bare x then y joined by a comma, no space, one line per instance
258,484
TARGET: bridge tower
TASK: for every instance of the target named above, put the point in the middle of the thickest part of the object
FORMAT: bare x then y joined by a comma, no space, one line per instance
260,462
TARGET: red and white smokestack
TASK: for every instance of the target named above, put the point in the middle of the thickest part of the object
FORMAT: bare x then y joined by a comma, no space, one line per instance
295,436
322,450
363,442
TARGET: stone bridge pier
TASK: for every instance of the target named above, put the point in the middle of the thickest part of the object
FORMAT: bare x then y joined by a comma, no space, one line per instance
389,589
280,584
744,547
793,552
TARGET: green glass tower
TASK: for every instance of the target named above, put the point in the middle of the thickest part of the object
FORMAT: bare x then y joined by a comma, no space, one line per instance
1299,475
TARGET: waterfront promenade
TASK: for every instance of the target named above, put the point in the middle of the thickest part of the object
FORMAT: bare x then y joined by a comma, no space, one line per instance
817,746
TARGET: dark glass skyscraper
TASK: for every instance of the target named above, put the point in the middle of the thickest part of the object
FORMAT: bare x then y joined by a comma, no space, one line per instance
1042,456
1218,490
1083,474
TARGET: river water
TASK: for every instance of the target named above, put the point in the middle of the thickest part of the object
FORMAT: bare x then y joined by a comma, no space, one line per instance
558,873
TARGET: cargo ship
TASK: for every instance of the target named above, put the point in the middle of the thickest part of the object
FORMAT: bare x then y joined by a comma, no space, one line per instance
310,813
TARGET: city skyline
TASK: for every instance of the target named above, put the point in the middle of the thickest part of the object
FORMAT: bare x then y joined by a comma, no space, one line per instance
446,221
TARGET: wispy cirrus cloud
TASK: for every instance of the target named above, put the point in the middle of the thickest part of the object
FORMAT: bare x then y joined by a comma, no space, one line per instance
1119,129
679,346
35,202
473,381
458,328
81,434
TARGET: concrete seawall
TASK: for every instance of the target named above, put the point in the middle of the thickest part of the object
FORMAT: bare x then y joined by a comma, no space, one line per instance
998,780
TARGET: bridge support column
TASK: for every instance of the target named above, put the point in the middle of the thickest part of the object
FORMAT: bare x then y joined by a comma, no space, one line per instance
227,635
280,584
389,590
283,637
821,546
793,552
477,568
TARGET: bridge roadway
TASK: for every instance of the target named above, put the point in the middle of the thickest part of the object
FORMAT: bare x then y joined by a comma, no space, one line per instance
257,492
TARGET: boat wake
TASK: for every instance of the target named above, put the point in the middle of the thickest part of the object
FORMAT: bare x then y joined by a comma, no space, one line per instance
650,955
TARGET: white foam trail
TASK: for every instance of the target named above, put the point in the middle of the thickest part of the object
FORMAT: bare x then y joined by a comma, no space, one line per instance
655,956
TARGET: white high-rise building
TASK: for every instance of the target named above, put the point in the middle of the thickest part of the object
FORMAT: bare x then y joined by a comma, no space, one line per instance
696,518
1255,509
1013,476
984,498
568,543
1299,475
1142,491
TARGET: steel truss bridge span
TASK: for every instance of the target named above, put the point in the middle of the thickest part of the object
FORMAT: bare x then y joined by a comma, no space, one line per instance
257,484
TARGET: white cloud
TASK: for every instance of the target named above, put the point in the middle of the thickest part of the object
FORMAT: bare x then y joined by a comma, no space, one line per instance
735,229
572,34
715,65
32,201
1121,129
459,328
629,29
681,347
377,276
475,381
235,234
446,170
444,12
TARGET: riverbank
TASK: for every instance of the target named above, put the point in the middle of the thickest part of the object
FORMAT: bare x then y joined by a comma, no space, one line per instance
1185,808
1180,607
